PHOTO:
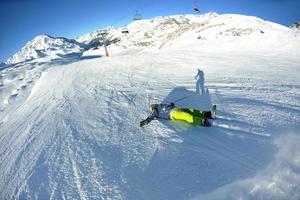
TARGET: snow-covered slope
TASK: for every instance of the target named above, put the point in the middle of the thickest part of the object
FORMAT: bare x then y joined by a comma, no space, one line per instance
46,46
210,32
69,129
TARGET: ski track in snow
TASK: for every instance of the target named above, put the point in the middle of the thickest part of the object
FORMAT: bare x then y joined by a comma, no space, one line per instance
69,128
79,137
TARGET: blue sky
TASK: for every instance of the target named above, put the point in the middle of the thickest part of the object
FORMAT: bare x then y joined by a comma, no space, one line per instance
22,20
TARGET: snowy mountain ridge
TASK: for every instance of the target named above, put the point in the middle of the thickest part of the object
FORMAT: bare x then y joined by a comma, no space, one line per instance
210,28
163,32
45,46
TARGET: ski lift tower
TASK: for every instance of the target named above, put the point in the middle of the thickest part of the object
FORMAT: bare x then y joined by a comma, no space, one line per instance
197,7
103,35
137,16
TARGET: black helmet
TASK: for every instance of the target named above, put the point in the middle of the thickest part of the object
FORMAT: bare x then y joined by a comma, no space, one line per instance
152,107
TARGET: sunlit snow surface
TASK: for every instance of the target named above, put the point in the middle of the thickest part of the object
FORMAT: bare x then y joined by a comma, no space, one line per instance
69,128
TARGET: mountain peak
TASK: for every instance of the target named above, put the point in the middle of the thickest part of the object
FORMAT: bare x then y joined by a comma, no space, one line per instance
180,30
45,46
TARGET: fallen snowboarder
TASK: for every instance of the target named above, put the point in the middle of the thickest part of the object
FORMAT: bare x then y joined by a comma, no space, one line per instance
171,112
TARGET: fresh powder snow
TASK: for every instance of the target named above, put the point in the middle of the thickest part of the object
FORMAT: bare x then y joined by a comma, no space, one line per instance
69,116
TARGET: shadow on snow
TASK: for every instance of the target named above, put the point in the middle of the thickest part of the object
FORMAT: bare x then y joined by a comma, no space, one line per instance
196,160
90,57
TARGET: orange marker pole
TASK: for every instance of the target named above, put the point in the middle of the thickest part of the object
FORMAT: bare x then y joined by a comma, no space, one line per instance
106,52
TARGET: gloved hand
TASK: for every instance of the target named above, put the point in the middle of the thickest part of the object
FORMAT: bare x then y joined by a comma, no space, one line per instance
205,122
143,123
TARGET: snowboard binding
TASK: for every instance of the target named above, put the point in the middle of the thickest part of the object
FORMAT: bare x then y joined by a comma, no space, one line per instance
214,112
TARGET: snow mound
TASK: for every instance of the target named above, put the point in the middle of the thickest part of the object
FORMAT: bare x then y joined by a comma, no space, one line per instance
46,46
279,180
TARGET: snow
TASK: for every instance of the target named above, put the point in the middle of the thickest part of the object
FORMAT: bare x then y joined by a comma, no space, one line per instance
279,180
69,126
45,45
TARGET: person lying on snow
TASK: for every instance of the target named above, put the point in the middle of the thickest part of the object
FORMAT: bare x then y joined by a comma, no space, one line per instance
189,115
